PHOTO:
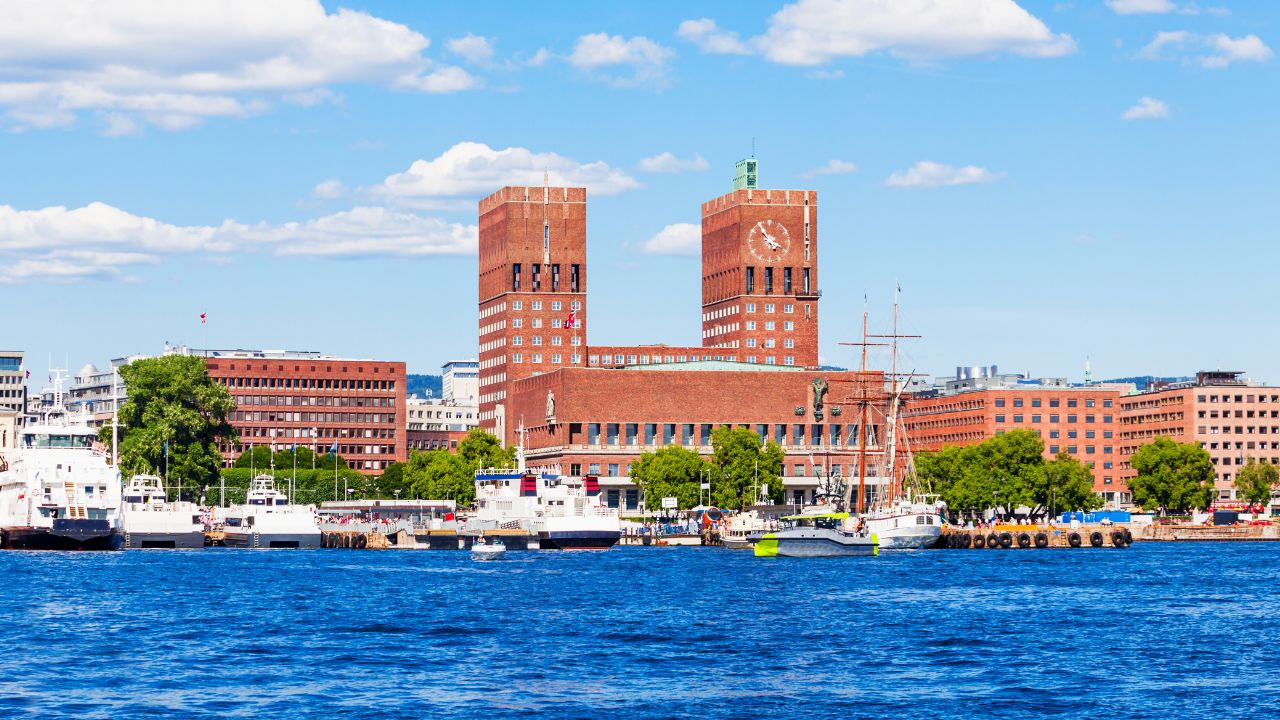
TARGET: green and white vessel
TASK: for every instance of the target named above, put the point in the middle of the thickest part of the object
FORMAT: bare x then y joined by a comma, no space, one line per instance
832,534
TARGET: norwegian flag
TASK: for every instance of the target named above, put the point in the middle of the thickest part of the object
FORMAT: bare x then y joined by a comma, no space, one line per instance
203,320
572,321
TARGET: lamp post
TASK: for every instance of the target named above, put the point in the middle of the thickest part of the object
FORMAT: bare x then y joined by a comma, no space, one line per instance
995,501
314,433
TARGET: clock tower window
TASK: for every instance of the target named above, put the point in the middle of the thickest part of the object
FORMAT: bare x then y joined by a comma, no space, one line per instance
786,280
806,281
751,280
768,280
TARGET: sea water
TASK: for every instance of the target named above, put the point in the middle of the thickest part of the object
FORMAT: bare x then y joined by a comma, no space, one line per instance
1155,631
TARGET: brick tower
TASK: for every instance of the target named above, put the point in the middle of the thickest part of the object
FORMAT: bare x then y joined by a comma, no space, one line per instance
760,274
533,277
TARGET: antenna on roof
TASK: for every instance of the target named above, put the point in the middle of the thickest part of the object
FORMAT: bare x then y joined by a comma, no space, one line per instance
753,146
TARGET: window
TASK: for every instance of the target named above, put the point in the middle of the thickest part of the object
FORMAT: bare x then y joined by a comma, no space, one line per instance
751,280
1035,402
516,357
517,305
999,418
1071,402
999,402
1071,418
1035,418
786,280
1053,434
537,340
1017,402
806,281
1055,418
555,304
536,358
555,359
768,280
788,325
1054,403
768,307
1053,449
537,322
517,323
515,277
517,340
536,305
770,342
771,360
770,325
575,305
1017,418
789,343
789,360
788,308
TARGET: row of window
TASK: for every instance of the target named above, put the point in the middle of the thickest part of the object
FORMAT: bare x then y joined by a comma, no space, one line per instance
305,401
308,383
303,435
1054,419
768,280
535,279
770,308
356,418
554,358
574,305
1239,398
1055,402
536,340
797,434
771,325
619,359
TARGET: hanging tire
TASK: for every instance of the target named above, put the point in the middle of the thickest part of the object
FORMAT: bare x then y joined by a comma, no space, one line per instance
1074,539
1117,538
1128,537
964,541
1006,540
993,540
1024,540
1095,539
979,541
1042,541
361,542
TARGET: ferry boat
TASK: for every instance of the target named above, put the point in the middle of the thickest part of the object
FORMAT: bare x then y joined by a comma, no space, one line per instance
57,491
149,520
267,520
563,513
818,535
740,531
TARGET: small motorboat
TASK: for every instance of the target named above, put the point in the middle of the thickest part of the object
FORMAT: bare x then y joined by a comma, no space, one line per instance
485,549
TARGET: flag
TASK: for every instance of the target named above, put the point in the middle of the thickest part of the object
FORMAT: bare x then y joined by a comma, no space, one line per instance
333,450
572,319
203,320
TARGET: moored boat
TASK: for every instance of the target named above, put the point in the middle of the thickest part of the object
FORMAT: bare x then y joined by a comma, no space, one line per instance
57,491
817,535
483,549
149,520
268,520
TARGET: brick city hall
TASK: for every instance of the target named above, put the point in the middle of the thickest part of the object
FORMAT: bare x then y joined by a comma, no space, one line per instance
592,410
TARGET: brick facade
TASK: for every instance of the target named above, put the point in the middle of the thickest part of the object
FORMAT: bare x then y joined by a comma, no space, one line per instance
760,276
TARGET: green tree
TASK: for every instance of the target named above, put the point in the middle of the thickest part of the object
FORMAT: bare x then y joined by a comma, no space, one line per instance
1172,476
393,482
481,449
1255,481
1065,484
440,475
669,472
173,401
743,463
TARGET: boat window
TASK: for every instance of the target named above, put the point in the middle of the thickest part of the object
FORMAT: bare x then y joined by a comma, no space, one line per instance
195,520
233,521
42,440
281,501
920,519
257,501
133,499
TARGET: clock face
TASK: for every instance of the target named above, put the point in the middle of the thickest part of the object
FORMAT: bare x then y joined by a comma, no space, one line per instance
768,241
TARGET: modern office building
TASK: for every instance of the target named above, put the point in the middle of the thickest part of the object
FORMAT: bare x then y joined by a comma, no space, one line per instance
13,382
460,382
1231,417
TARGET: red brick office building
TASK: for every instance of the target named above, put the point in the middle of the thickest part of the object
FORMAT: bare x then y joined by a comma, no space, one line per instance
303,398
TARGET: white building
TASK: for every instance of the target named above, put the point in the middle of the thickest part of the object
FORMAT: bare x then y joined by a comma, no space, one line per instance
461,382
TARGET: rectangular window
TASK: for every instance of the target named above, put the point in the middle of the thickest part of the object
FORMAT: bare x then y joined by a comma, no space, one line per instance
1054,403
686,434
789,360
1071,418
1054,434
806,282
593,436
999,402
573,279
555,279
555,359
705,434
515,277
768,307
788,308
751,307
555,305
786,280
1035,418
611,433
999,418
751,280
1017,418
632,431
536,284
536,305
788,325
768,280
1035,402
668,433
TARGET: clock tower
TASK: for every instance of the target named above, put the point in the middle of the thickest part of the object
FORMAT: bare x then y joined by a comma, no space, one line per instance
760,276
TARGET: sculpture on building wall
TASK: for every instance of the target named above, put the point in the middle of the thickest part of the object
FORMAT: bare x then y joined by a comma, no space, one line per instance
819,393
551,406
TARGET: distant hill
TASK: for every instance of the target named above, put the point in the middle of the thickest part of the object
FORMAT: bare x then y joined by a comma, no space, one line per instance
421,385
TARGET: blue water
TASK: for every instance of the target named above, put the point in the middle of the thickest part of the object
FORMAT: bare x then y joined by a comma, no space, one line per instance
1158,630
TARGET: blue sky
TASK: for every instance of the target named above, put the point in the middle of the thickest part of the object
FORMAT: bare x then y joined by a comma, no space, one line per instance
1048,181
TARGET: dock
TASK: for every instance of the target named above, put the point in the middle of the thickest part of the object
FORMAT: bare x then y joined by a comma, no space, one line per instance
1036,537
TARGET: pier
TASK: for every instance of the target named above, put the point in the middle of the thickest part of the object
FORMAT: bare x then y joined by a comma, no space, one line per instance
1036,537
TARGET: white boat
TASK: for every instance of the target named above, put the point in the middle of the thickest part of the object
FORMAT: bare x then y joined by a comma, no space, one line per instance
149,520
267,520
57,491
907,524
483,549
564,513
739,531
817,535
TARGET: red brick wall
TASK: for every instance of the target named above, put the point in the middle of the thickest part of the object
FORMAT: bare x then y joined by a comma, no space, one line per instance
729,247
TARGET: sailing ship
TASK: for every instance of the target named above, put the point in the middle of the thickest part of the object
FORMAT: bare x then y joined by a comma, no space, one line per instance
57,491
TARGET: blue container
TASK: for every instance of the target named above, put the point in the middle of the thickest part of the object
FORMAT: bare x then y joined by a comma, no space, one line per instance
1097,516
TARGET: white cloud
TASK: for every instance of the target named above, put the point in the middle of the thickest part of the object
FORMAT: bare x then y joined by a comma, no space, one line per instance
1209,51
119,125
539,58
833,167
1148,108
98,241
471,170
813,32
676,239
472,48
646,59
330,189
176,64
668,163
1140,7
710,38
925,174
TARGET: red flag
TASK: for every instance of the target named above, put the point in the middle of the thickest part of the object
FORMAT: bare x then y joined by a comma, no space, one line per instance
573,319
202,319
